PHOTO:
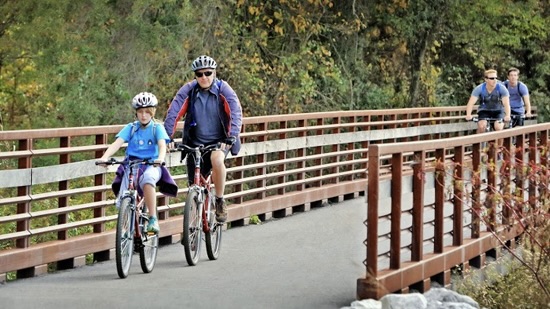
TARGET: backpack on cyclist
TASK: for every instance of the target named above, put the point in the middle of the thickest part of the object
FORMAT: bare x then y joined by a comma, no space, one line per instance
519,88
484,92
136,125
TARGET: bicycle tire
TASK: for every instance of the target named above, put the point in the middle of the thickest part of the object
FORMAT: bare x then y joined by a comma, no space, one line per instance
213,238
149,249
124,237
192,227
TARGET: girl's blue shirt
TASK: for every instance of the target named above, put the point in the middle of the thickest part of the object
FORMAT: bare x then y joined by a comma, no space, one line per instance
143,144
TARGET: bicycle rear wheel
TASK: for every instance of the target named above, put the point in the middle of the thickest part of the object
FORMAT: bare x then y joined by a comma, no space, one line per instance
124,237
192,228
149,249
213,238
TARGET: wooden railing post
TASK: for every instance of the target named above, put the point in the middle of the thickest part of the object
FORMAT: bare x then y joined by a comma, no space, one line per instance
397,191
418,206
372,211
64,142
532,164
458,192
301,152
505,177
25,207
282,156
490,198
439,199
99,180
476,190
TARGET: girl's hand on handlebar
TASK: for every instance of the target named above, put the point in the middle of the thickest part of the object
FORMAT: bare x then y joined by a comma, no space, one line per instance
104,162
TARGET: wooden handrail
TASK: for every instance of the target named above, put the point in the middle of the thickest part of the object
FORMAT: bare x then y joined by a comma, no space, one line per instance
274,148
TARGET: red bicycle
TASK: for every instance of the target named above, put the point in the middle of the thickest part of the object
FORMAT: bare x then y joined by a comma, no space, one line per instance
198,214
131,230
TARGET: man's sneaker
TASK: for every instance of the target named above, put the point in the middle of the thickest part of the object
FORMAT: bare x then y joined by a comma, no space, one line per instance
221,210
153,225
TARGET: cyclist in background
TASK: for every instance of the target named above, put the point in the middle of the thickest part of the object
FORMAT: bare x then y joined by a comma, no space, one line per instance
213,115
520,103
494,102
146,140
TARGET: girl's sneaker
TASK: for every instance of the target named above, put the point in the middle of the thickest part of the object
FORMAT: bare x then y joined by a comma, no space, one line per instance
153,225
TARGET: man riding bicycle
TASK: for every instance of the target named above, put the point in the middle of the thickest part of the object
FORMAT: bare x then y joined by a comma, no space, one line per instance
520,102
494,102
213,115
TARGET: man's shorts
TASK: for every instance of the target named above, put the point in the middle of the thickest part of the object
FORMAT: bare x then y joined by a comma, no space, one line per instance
517,119
484,115
206,165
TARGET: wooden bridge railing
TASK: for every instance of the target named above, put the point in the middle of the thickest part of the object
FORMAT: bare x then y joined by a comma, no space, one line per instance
423,200
56,207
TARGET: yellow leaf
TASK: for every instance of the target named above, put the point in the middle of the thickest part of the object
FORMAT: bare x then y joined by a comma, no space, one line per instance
279,30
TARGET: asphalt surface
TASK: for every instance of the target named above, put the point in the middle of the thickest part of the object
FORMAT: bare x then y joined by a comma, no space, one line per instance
306,260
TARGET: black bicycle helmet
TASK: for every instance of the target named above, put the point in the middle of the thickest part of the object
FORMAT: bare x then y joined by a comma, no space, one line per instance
203,62
144,99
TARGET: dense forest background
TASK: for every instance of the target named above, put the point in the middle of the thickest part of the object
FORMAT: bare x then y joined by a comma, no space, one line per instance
67,63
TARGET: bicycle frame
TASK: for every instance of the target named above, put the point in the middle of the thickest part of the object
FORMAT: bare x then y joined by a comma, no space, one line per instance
136,203
202,184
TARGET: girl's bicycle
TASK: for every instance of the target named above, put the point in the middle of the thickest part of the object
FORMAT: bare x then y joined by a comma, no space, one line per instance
131,230
198,214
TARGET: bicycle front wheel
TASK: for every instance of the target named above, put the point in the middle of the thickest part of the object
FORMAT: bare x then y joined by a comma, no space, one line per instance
124,237
213,238
192,227
148,250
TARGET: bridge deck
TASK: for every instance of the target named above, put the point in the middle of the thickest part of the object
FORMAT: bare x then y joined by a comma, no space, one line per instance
307,260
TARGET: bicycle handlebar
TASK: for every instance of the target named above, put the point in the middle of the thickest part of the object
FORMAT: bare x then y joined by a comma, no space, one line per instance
187,149
113,161
476,119
515,116
201,148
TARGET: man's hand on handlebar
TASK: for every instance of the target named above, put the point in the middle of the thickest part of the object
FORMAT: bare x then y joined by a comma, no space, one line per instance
171,145
228,143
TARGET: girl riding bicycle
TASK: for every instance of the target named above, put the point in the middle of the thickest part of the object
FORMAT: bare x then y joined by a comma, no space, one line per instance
146,140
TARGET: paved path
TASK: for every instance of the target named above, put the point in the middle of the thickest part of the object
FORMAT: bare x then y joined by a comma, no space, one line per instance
307,260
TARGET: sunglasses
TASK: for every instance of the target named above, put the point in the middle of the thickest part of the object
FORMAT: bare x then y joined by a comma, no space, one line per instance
491,78
200,74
